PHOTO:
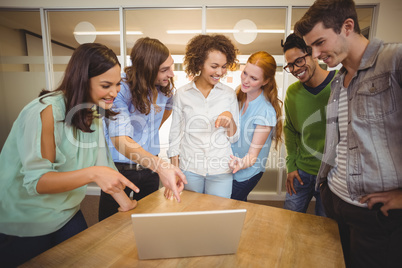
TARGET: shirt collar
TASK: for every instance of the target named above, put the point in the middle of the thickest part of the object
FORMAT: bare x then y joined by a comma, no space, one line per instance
192,85
369,55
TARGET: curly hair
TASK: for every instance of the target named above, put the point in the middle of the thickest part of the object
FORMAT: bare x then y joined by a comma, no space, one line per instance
146,57
198,48
267,64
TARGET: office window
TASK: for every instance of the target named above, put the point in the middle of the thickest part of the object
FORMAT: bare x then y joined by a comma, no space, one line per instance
251,29
21,42
22,73
173,27
69,29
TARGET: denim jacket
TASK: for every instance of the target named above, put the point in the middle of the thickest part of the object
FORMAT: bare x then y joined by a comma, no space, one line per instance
374,138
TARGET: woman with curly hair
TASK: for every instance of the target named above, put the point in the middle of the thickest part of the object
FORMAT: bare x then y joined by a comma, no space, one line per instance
205,117
143,105
260,113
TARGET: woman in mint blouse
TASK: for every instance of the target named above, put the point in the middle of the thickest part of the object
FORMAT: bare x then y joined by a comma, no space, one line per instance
260,113
55,148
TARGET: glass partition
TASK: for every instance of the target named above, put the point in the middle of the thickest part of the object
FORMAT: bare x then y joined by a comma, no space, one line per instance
69,29
22,73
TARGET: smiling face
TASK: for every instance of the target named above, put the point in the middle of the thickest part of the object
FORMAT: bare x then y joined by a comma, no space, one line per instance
327,45
104,87
215,67
165,72
306,72
252,80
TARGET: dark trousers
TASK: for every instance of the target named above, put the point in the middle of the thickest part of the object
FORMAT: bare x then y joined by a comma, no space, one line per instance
240,190
146,180
15,250
369,239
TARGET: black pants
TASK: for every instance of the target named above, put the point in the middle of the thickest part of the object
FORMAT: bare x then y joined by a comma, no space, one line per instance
15,250
369,239
146,180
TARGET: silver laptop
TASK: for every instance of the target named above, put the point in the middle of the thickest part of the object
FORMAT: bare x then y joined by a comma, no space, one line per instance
187,234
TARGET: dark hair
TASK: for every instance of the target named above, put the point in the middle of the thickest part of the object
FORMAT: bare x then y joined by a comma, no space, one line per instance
198,48
332,13
267,63
295,41
88,60
146,57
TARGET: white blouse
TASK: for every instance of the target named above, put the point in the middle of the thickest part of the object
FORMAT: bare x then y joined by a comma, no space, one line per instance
202,148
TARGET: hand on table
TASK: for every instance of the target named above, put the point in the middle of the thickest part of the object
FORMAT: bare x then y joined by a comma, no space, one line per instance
169,194
173,179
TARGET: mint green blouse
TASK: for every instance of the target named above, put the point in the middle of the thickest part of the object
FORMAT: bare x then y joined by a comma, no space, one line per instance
23,211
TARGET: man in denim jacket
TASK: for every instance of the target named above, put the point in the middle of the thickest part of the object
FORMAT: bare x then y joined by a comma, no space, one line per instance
360,177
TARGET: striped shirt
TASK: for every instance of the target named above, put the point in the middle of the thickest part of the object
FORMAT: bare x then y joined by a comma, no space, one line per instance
337,176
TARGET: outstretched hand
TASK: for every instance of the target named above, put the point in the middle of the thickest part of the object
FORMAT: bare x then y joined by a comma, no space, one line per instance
111,181
173,179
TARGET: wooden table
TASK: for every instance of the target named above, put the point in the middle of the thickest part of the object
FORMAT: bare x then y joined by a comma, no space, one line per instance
271,237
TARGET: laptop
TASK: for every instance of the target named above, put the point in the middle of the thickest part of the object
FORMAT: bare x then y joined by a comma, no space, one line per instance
187,234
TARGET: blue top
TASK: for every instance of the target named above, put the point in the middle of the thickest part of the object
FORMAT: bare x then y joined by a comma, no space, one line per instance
259,112
142,128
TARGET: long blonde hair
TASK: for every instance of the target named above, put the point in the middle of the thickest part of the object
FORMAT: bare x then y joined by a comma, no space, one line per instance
267,63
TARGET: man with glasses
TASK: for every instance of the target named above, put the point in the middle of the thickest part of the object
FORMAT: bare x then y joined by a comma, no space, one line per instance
304,125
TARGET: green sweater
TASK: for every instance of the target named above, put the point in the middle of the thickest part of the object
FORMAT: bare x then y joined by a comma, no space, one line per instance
304,127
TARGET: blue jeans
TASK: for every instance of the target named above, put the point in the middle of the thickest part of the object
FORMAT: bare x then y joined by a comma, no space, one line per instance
219,185
304,193
15,250
241,189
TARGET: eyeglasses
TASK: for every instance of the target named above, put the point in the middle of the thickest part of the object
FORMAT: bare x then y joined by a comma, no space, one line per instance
299,62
